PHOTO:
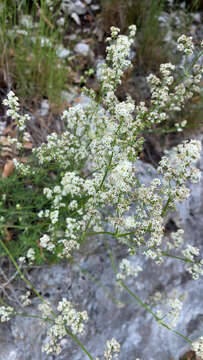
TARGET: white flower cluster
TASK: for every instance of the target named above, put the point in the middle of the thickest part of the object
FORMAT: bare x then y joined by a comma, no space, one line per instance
153,200
63,150
23,168
68,247
5,313
194,267
118,54
177,168
25,299
180,126
166,70
45,310
170,307
149,207
68,318
45,242
112,349
197,346
31,255
156,297
175,305
167,96
117,189
71,186
13,111
127,270
15,142
190,252
185,44
120,177
177,238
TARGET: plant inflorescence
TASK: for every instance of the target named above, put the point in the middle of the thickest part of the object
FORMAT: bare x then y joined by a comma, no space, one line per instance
85,183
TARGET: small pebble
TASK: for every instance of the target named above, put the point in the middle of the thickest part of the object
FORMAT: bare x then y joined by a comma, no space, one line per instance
82,49
76,18
95,7
78,7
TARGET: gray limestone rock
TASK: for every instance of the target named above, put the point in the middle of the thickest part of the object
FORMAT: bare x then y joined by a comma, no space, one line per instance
82,48
77,7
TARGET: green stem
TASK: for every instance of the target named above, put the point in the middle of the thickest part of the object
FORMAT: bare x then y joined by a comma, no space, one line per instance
79,343
110,233
164,253
146,307
20,272
100,233
139,301
33,317
165,207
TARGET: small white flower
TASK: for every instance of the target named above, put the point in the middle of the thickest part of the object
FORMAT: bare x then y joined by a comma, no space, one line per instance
5,313
25,299
31,254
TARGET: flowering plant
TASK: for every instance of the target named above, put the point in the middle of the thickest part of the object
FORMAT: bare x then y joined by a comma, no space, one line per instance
93,184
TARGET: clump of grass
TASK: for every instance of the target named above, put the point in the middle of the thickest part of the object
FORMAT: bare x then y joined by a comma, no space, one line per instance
21,200
192,5
151,49
115,12
29,39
